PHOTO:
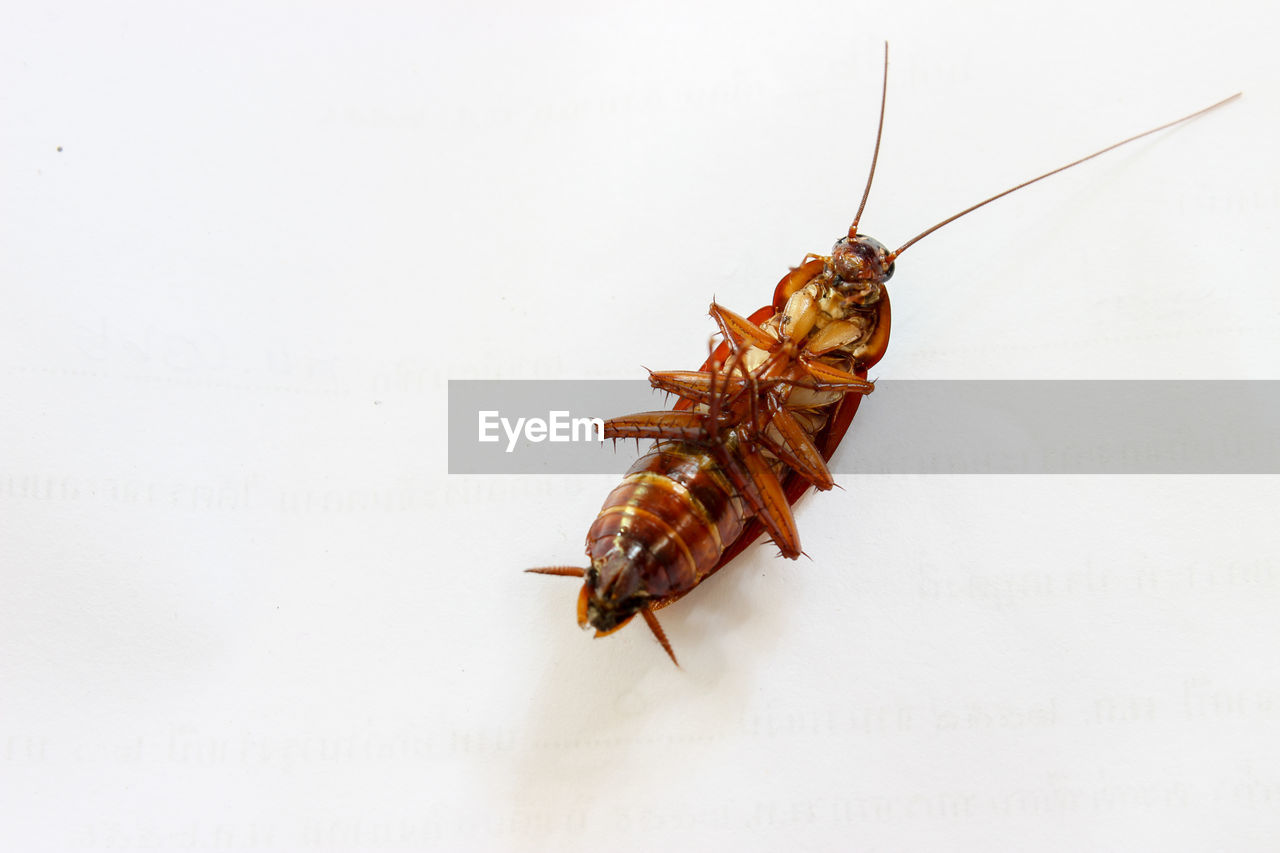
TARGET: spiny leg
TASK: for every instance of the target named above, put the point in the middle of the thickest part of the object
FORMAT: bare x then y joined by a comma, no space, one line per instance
750,386
742,334
828,378
693,385
796,448
832,336
777,510
670,425
722,398
739,330
715,394
751,475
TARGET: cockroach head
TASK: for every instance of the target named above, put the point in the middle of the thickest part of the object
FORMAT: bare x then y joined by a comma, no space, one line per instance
860,263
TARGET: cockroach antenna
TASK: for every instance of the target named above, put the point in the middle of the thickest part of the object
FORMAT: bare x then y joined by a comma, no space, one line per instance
875,155
925,233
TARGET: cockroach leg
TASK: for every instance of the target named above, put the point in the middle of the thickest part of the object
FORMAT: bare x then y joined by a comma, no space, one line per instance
755,378
833,336
798,317
830,378
787,457
713,394
718,402
740,330
776,507
751,475
797,449
667,424
693,385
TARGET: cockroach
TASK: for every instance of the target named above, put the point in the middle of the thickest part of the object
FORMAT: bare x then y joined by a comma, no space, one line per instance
752,429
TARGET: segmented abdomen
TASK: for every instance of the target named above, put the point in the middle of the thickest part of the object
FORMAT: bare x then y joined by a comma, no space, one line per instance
673,515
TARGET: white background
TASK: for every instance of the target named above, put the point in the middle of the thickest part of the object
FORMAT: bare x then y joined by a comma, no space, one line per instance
244,605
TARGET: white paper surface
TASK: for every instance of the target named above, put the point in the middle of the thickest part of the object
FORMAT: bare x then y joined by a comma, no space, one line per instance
245,246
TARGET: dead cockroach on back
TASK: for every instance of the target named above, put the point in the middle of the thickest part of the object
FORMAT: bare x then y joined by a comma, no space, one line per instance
753,428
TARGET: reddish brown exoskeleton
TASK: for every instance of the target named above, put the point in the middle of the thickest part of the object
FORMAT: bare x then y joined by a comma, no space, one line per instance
753,428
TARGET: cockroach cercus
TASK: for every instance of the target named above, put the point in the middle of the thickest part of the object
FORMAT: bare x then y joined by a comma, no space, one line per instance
753,428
